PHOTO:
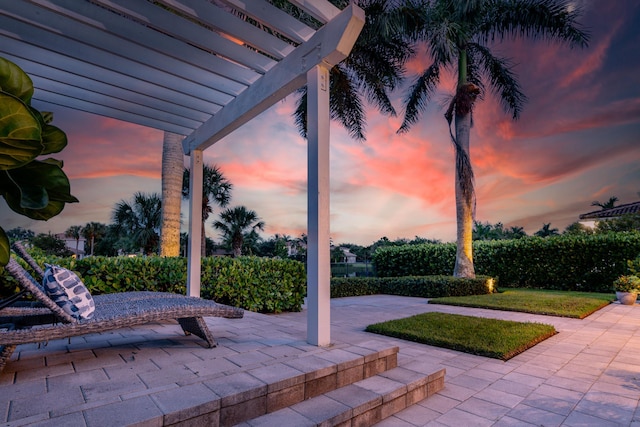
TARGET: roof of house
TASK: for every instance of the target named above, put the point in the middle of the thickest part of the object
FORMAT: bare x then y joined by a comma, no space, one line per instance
615,212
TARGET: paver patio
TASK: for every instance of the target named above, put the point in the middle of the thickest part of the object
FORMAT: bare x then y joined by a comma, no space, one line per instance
586,375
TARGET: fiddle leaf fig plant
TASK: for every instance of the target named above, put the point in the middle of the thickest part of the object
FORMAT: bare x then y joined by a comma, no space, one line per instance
35,188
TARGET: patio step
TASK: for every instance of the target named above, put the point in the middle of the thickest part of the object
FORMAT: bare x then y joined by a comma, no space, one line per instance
248,395
363,403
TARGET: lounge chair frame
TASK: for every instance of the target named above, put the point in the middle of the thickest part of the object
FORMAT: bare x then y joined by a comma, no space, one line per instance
31,322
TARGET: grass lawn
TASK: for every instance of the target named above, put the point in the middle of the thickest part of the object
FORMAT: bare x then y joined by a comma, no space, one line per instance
555,303
499,339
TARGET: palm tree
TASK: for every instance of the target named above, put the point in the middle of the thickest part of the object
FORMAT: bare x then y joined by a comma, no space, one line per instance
172,167
609,204
457,35
372,70
74,232
546,231
140,220
215,188
238,224
93,230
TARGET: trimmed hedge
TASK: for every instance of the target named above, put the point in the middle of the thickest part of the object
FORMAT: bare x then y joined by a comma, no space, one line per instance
256,284
580,263
412,286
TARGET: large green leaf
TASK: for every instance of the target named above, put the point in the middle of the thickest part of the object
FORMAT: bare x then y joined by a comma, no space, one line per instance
15,81
53,139
4,248
20,133
40,189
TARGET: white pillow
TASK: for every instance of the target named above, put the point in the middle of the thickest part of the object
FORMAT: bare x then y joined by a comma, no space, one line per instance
67,290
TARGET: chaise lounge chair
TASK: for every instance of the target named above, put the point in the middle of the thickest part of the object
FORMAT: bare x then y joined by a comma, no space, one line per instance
30,322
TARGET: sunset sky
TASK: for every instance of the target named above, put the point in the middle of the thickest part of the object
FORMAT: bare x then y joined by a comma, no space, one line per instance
578,140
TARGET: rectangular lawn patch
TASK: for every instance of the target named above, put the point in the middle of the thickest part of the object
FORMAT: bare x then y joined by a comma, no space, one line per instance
554,303
498,339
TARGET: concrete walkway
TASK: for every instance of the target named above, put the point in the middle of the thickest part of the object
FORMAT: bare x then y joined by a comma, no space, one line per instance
586,375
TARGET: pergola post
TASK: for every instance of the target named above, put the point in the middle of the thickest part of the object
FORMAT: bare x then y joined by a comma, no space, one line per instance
195,224
318,243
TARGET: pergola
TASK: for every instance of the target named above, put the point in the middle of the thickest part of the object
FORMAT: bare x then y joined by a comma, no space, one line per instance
195,68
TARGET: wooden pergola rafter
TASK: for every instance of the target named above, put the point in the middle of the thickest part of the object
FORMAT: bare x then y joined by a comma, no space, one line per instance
197,68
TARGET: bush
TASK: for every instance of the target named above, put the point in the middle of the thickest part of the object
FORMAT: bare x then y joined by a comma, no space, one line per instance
256,284
583,263
412,286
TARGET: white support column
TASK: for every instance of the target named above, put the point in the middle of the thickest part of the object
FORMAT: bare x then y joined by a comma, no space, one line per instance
318,250
195,224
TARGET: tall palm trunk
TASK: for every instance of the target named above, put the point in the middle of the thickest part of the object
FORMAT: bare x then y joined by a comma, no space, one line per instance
172,167
465,97
203,241
464,200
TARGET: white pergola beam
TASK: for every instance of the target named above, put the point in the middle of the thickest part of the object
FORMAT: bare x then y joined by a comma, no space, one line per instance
330,44
195,223
318,210
274,18
323,11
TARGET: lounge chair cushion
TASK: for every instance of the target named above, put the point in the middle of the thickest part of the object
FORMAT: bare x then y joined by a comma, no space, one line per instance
66,289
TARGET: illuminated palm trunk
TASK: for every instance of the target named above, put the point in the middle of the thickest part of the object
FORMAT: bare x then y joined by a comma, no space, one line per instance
464,201
464,100
172,170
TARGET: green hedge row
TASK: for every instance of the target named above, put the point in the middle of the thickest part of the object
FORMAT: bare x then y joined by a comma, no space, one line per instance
412,286
256,284
585,263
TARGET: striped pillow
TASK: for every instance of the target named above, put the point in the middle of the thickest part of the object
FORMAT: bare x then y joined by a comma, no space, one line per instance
68,291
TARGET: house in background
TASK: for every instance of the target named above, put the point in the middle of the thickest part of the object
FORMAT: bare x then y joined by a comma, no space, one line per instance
591,218
70,242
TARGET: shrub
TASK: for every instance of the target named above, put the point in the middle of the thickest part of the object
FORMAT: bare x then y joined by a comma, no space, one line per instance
413,286
583,263
256,284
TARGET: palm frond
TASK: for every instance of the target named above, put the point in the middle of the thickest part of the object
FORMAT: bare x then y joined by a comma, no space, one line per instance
553,20
346,104
501,77
419,95
300,113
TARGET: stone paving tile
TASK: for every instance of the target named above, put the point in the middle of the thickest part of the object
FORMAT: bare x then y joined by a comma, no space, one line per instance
396,422
187,402
608,406
456,392
132,411
458,418
560,393
536,416
38,404
470,382
439,403
513,422
524,379
512,387
509,400
101,389
75,419
283,418
580,419
569,384
417,415
548,403
484,409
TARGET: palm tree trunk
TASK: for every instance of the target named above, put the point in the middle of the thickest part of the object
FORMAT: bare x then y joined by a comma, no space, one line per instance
464,200
172,170
203,243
